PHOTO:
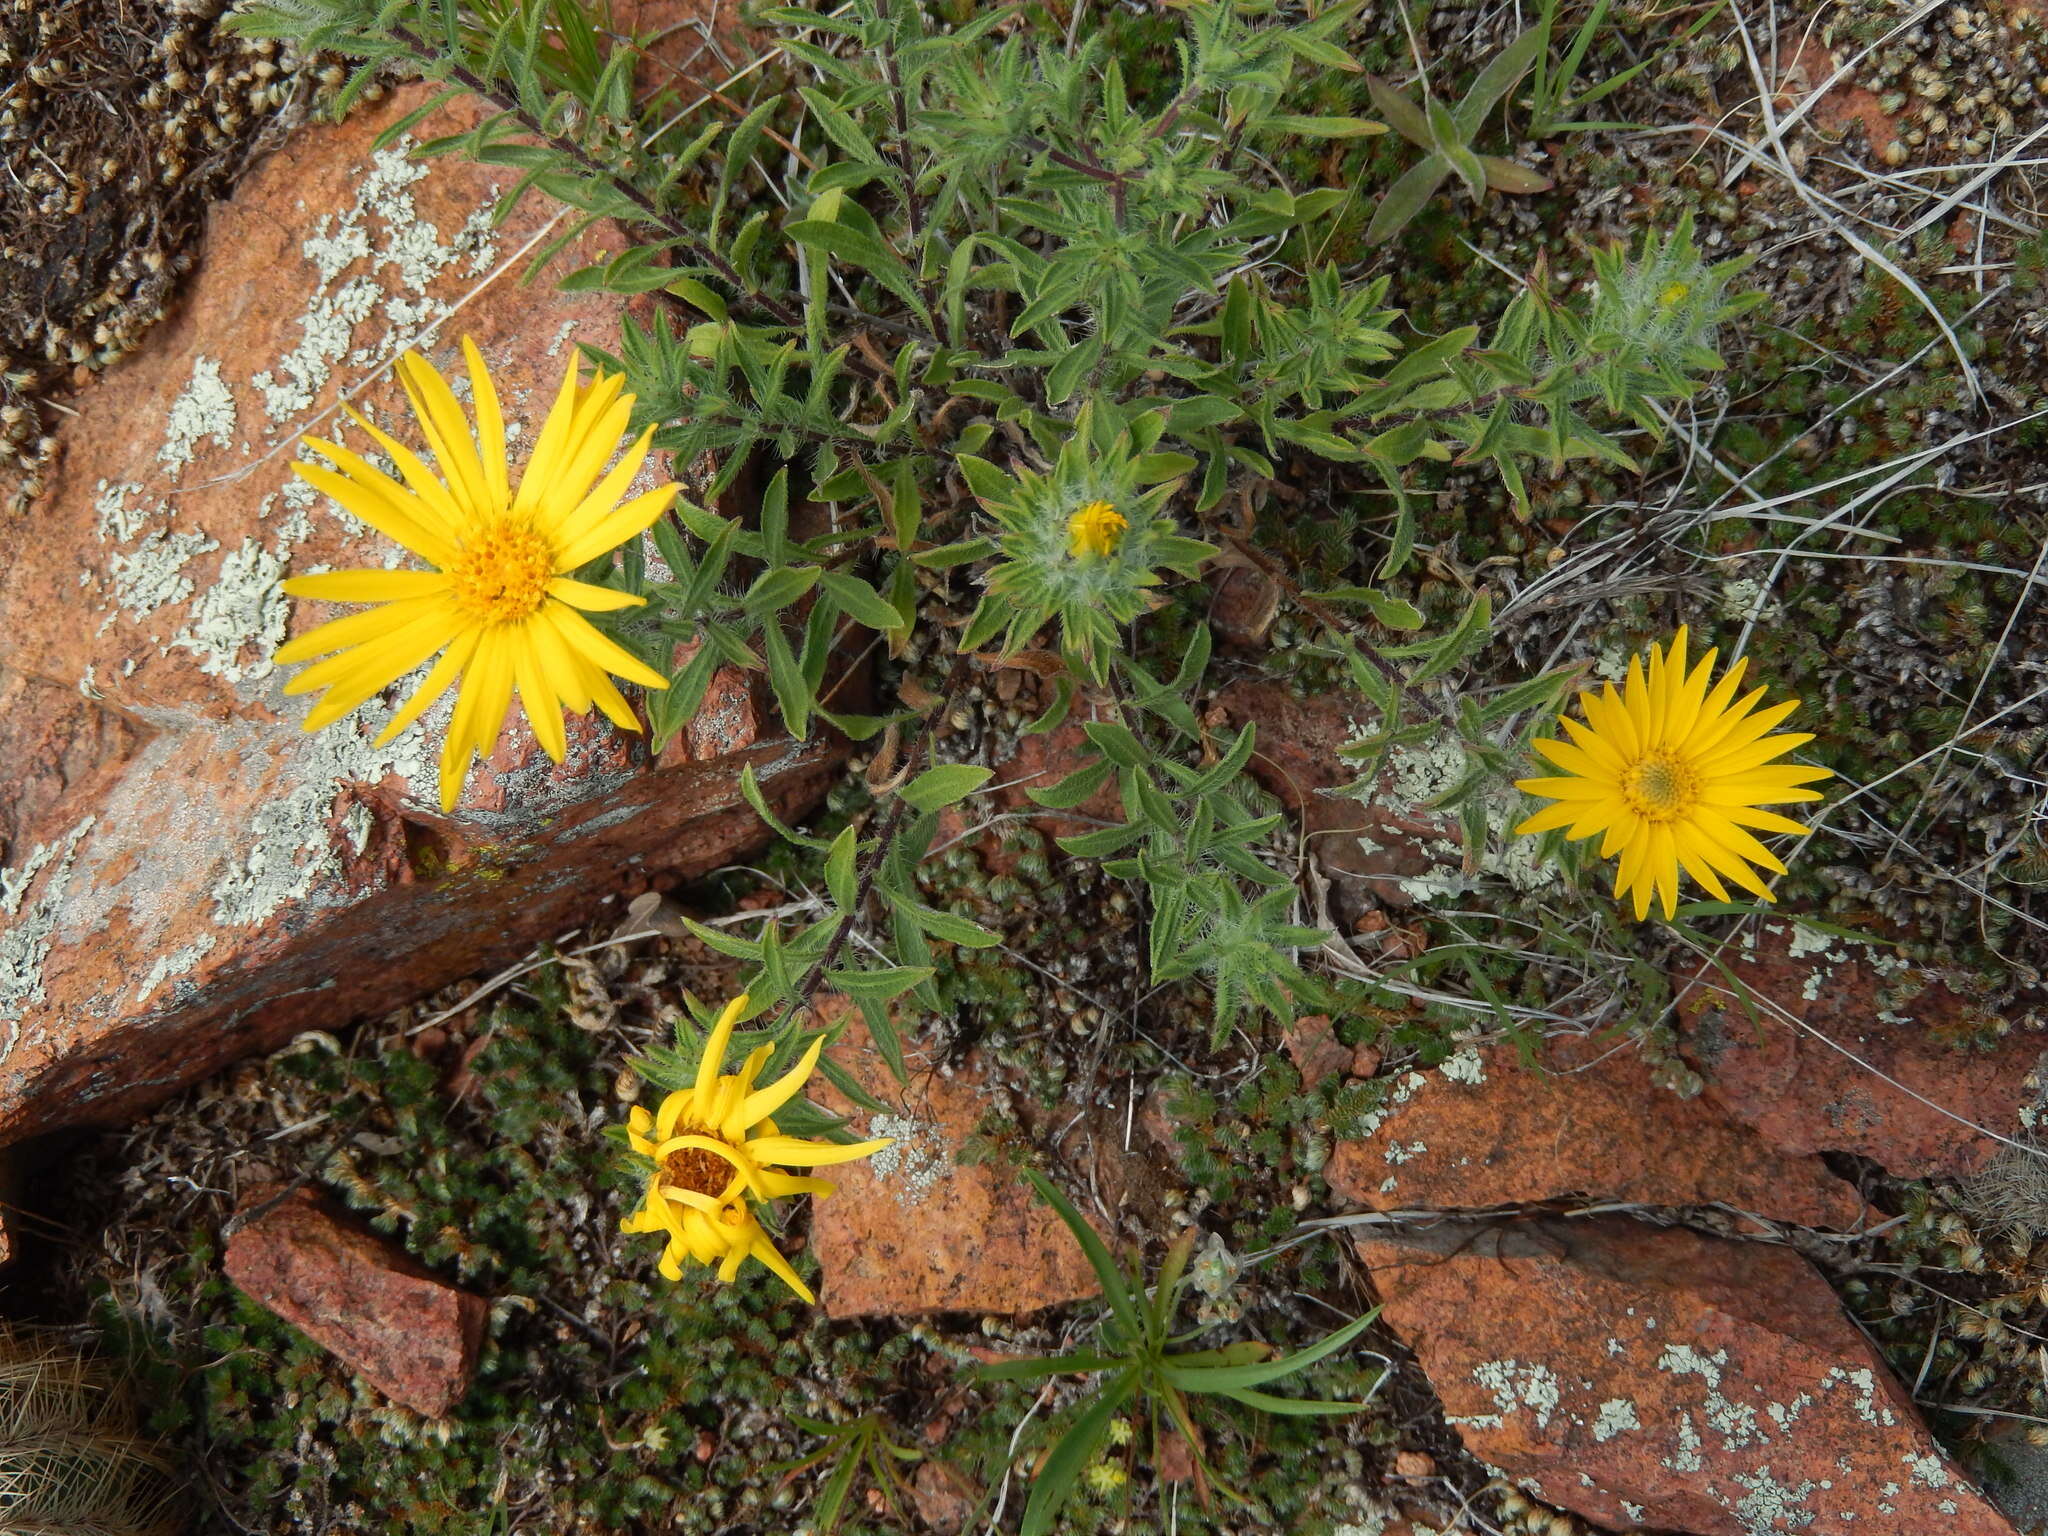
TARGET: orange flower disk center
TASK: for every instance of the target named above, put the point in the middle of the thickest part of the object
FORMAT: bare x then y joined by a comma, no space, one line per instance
1660,787
501,574
697,1169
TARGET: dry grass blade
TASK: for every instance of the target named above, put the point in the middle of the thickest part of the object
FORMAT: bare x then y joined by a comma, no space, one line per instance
70,1459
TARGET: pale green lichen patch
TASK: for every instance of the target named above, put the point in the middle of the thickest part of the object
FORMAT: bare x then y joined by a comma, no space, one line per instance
383,231
244,610
152,575
290,852
204,409
173,965
25,944
914,1161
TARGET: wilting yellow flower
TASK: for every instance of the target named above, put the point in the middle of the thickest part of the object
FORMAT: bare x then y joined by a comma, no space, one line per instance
716,1153
1096,529
499,606
1672,773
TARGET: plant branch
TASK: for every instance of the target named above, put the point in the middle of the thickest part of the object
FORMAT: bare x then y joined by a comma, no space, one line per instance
1337,624
652,212
871,861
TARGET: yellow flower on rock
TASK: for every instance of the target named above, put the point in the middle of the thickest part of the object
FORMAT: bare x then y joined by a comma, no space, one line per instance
499,608
1671,771
1097,529
716,1154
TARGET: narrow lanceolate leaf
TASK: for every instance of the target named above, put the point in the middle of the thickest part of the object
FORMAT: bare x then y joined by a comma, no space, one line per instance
1292,1407
1232,1377
1075,1450
1116,1289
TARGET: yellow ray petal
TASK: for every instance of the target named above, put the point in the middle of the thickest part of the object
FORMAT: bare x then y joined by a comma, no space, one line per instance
604,496
434,514
490,426
577,630
1566,789
1709,734
1745,732
367,505
565,671
1635,701
1687,694
364,586
1720,859
367,655
479,688
445,670
612,530
1663,864
1763,821
540,477
592,441
1607,714
1572,760
610,700
377,667
589,598
717,1045
425,484
1601,751
766,1252
1716,828
439,415
350,629
763,1102
1696,864
1741,760
795,1152
543,708
1625,829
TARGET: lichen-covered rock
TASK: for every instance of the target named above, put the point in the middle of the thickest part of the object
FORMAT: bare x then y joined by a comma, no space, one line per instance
1824,1045
913,1229
189,876
1482,1130
407,1333
1655,1377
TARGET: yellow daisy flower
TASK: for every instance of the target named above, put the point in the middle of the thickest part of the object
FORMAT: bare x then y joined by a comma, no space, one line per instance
716,1153
1671,772
1097,529
499,607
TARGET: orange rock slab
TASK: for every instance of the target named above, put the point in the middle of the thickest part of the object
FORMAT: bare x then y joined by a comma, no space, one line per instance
1485,1130
1832,1046
914,1230
412,1336
189,876
1646,1377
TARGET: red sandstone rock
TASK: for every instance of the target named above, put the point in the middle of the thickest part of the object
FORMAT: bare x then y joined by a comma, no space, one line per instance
1841,1048
410,1335
1371,847
1246,603
1645,1377
1484,1130
1312,1045
1807,65
189,876
945,1500
913,1230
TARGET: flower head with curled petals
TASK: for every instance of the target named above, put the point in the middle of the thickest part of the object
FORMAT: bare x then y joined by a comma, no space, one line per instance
715,1154
1671,772
499,609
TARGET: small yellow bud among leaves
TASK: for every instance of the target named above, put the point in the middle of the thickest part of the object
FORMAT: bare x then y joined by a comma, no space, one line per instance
1095,530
